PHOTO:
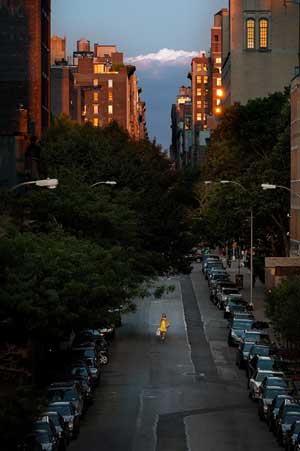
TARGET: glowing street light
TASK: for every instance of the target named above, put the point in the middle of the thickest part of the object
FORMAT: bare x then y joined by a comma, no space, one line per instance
107,182
44,183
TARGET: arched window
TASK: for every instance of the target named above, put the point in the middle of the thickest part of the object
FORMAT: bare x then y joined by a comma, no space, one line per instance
250,36
263,33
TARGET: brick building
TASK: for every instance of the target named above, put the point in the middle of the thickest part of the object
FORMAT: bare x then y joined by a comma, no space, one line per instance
58,49
24,81
106,90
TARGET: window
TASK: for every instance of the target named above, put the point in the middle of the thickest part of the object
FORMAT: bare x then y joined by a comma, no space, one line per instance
205,67
95,122
110,109
219,81
96,109
216,37
263,33
205,104
199,92
199,67
110,96
199,79
96,96
110,83
205,79
95,81
218,101
98,68
199,103
218,60
250,37
199,117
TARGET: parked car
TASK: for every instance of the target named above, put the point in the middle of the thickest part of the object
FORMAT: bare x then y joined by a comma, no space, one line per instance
255,382
297,443
259,363
223,294
266,398
282,421
285,424
67,391
237,331
61,429
243,352
212,266
235,303
39,439
220,285
259,349
45,424
292,435
273,409
67,411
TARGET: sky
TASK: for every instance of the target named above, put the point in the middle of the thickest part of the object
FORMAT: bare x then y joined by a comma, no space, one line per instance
160,37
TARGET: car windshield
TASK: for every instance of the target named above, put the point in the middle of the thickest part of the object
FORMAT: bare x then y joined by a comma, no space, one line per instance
42,436
260,350
63,409
265,364
247,347
291,417
271,392
79,371
241,324
235,306
63,395
254,336
54,419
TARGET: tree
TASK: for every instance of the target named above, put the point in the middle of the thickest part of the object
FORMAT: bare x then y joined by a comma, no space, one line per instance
250,150
283,308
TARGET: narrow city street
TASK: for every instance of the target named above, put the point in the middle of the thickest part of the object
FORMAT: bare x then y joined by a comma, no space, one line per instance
184,394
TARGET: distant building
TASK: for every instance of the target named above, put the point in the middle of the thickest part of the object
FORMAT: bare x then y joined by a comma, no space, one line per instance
58,49
263,47
62,90
295,168
106,90
181,117
24,83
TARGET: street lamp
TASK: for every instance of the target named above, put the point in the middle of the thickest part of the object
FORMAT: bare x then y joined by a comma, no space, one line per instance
266,186
233,182
107,182
45,183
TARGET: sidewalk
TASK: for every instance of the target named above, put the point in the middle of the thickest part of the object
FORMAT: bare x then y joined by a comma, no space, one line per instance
258,293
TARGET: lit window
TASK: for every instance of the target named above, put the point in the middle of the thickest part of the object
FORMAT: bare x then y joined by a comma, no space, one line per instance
199,117
110,96
220,92
250,25
218,101
110,109
96,82
96,96
95,122
204,117
205,67
199,79
218,60
110,83
98,68
96,109
199,67
218,110
199,103
199,92
205,104
263,33
205,79
219,81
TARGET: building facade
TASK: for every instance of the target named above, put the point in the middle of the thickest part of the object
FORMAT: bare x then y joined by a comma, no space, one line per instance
24,80
181,125
58,49
295,169
263,48
106,90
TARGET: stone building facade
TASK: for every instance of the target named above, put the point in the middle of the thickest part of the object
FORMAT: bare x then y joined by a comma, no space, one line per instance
263,48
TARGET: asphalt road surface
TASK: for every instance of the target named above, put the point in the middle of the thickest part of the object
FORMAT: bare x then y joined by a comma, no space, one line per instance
182,395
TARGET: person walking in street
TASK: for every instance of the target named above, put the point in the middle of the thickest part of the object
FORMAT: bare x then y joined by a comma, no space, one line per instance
164,325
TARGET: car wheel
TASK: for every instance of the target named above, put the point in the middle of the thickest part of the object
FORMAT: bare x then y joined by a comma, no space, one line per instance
103,359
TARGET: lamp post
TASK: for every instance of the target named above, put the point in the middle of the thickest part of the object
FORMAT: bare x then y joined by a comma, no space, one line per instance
233,182
266,186
107,182
45,183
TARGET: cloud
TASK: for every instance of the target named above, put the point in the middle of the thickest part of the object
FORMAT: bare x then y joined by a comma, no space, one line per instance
164,57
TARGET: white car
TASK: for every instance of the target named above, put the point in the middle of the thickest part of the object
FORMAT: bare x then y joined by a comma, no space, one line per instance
257,379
